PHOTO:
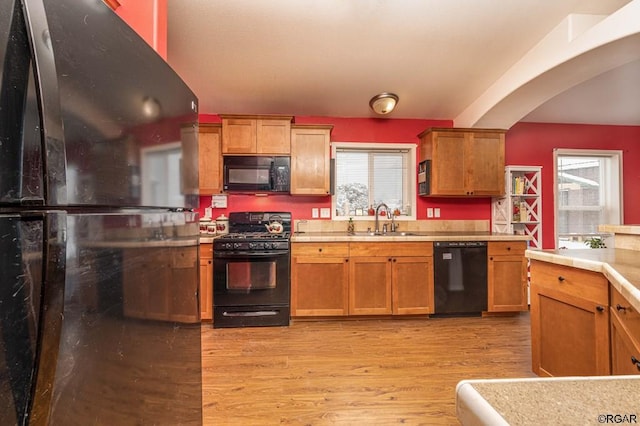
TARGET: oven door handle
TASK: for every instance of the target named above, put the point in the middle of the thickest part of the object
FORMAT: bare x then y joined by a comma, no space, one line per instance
235,254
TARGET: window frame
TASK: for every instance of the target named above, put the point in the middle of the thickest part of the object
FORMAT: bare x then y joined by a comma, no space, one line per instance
615,155
378,146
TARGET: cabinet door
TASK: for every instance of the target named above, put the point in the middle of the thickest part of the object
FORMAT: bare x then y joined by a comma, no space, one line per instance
507,283
449,164
310,161
412,285
625,335
273,136
209,159
184,304
485,154
625,351
206,282
569,335
239,136
159,279
370,286
146,284
319,286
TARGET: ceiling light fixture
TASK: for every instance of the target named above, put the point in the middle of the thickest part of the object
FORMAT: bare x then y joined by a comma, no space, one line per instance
383,103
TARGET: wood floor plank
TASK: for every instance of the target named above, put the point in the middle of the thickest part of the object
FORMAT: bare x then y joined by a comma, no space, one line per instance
356,372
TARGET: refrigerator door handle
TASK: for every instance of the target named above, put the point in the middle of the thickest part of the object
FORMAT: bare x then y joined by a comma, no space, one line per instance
52,315
55,178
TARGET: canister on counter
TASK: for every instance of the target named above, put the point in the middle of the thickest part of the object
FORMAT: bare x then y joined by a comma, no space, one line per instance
222,225
205,224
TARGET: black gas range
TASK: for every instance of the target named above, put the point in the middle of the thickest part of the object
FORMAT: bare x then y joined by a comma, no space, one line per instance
251,282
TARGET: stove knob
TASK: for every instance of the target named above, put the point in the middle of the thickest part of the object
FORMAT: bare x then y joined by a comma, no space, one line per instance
268,246
237,245
228,246
252,246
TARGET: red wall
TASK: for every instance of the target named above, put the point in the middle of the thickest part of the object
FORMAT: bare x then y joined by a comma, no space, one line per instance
533,144
526,144
357,130
139,15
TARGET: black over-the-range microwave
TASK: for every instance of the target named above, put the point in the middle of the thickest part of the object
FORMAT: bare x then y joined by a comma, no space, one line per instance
256,173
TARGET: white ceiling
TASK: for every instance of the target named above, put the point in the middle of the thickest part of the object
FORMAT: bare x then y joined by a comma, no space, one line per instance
329,57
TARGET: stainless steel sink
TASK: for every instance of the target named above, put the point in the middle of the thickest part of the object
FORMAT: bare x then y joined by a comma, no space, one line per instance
388,234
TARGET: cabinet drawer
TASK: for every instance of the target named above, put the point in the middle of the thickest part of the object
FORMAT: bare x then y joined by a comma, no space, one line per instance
503,248
320,249
587,285
627,314
391,249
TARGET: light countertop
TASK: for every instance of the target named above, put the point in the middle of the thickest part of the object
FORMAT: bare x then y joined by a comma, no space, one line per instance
620,266
548,401
397,237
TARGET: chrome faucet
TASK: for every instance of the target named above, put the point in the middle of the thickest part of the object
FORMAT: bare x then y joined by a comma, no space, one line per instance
377,225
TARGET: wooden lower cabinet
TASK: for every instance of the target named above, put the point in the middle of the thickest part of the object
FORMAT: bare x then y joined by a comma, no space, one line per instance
569,321
412,285
370,285
206,282
319,279
507,276
160,284
625,336
337,279
391,278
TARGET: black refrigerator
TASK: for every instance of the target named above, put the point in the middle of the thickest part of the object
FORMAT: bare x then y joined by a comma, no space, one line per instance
99,313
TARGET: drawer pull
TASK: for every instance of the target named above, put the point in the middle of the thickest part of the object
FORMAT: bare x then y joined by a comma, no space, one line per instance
600,308
619,307
560,278
320,250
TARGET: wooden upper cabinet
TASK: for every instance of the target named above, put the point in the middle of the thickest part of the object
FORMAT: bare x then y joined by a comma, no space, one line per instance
464,162
209,159
310,159
253,135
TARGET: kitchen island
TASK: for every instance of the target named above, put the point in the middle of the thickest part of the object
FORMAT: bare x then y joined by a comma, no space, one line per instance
549,401
574,400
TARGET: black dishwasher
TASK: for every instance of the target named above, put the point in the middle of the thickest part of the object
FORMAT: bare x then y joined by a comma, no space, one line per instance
460,277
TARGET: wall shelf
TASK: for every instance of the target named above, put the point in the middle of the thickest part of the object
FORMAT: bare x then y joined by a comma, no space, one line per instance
519,211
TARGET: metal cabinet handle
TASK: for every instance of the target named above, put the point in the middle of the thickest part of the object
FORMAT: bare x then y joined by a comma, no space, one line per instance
560,278
600,308
634,360
619,307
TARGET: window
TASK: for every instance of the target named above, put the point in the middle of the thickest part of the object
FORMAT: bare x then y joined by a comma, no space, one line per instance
588,193
369,174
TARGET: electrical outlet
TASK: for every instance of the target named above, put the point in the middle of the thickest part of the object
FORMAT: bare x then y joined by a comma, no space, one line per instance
436,212
325,212
429,211
314,213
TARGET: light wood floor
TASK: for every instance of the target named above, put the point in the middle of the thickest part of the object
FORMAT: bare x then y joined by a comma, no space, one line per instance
355,372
